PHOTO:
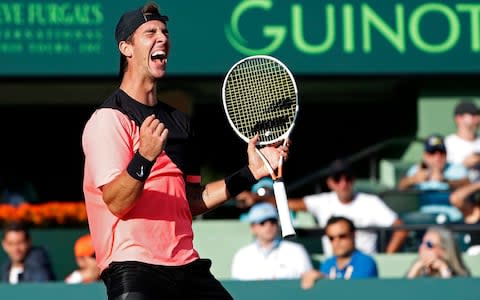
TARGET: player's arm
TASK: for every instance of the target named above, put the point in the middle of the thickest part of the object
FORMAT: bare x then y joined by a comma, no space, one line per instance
121,194
217,192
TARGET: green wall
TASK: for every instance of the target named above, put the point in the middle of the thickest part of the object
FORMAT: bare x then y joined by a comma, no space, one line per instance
393,289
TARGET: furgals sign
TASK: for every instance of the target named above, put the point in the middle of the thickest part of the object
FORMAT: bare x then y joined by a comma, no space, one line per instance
314,37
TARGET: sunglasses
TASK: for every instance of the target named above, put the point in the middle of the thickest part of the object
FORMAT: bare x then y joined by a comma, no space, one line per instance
271,221
429,244
338,236
437,151
338,177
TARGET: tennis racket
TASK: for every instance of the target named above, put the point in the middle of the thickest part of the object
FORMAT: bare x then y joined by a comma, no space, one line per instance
260,96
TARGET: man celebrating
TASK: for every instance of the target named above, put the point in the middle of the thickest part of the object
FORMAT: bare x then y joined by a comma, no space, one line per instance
141,177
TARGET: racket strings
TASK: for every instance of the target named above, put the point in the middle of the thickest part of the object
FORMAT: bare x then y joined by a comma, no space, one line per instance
260,97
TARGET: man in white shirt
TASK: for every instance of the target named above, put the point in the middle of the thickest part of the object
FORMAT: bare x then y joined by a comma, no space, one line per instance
365,210
269,257
463,146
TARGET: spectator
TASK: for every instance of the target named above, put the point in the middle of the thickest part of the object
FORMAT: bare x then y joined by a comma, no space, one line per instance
88,270
26,263
466,199
438,256
347,261
269,256
363,209
435,174
463,146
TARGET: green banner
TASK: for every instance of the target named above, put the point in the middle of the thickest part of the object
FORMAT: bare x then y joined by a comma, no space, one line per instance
335,37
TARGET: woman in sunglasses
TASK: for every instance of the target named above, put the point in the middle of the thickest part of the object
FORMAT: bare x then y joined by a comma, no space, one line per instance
438,256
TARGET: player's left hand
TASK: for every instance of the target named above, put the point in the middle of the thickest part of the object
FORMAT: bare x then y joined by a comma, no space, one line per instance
271,152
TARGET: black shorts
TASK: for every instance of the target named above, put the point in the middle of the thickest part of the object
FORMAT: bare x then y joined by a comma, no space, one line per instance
133,280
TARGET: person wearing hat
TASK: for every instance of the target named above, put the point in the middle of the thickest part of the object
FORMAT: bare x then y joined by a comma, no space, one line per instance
463,146
364,209
434,172
142,177
436,178
269,257
87,271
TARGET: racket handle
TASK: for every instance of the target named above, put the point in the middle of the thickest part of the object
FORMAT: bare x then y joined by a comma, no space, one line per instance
282,207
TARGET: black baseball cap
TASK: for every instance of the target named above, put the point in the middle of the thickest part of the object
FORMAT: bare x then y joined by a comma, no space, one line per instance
131,20
466,107
434,143
340,167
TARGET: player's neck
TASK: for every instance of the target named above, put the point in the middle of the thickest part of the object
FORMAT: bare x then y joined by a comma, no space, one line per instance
143,90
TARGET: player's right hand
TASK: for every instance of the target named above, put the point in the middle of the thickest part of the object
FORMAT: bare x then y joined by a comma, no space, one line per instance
153,137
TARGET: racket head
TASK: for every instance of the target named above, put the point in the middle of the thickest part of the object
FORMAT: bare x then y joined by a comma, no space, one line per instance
260,95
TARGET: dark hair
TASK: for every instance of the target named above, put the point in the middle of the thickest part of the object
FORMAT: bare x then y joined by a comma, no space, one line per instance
149,8
337,219
340,167
16,226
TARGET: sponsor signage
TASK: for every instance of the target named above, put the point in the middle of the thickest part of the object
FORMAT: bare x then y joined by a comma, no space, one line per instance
335,37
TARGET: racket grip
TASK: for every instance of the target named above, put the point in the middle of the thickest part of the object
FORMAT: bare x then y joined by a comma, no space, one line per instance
282,207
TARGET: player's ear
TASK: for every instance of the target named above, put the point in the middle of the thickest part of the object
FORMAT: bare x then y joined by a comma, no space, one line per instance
125,48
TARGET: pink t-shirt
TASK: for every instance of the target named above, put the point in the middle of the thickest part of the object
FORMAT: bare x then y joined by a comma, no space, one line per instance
158,229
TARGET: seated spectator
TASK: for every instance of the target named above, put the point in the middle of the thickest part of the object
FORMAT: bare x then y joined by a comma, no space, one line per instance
436,177
88,270
438,256
269,257
347,261
363,209
26,263
467,200
463,146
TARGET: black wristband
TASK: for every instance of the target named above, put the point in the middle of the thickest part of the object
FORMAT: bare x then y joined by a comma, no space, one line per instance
139,167
239,181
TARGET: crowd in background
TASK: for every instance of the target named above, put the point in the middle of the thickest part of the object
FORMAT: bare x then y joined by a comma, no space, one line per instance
449,168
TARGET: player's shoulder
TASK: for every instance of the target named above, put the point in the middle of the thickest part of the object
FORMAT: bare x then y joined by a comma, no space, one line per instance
105,115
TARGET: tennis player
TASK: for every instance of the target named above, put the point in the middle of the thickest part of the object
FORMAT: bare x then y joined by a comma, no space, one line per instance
141,177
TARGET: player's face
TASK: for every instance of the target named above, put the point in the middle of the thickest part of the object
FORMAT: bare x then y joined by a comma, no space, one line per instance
150,48
16,245
342,240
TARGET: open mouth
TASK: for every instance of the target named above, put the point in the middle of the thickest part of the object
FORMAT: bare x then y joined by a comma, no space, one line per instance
158,55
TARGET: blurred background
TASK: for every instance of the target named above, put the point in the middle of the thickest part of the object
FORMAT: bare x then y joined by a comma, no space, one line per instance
374,78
